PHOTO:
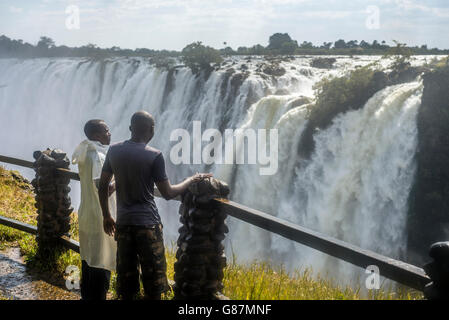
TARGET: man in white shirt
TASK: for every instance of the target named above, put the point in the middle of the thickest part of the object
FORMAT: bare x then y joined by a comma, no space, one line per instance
97,249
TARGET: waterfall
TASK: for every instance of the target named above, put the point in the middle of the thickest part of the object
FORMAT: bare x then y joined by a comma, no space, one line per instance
354,186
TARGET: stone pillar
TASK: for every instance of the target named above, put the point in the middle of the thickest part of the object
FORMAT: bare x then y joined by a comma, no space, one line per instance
200,257
438,272
52,197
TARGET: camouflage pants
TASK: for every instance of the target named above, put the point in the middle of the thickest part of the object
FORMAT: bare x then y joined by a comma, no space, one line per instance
142,245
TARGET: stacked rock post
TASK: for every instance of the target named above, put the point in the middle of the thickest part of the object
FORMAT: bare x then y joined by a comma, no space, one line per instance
52,197
438,272
200,258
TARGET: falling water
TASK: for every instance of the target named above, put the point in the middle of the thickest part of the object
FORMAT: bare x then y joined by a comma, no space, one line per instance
354,186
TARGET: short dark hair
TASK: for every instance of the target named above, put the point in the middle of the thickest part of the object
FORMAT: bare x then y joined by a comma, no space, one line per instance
141,121
92,127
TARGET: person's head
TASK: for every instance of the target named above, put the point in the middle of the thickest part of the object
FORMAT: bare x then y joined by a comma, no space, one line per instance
142,126
97,130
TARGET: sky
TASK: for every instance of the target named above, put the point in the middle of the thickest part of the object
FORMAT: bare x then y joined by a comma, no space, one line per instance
172,24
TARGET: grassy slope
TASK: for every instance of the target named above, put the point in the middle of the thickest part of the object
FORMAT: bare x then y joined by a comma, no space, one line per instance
242,282
16,201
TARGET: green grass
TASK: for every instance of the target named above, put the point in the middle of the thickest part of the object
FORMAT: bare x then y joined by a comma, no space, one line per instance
261,281
16,202
254,281
2,297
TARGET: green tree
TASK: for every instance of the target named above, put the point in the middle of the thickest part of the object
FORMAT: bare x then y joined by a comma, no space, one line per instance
306,45
288,47
326,45
45,42
277,40
199,57
242,50
227,51
365,45
352,44
401,56
257,49
375,45
340,44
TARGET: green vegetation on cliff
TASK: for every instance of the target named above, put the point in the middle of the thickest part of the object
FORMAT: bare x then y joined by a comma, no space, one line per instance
338,95
199,57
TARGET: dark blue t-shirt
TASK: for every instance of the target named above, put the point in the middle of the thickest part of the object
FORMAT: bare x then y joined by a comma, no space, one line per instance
136,167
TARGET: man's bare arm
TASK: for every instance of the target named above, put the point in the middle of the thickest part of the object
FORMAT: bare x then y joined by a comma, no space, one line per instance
169,191
111,186
103,194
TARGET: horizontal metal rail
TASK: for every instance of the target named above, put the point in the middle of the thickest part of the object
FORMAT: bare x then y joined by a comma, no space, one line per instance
17,162
66,241
28,164
396,270
18,225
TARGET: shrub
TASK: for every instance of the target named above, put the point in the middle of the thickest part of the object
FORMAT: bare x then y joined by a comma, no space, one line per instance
162,62
401,56
198,57
323,63
439,63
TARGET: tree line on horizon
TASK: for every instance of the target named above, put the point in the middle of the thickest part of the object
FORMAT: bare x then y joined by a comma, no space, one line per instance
278,44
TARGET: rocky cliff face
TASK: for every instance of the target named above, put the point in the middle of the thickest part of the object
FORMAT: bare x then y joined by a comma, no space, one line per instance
429,200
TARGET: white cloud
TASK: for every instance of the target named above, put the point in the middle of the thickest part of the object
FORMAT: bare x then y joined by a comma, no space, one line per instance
15,9
328,14
413,5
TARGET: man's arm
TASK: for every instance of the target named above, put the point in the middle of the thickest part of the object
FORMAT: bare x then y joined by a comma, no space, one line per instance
111,188
169,191
163,184
103,194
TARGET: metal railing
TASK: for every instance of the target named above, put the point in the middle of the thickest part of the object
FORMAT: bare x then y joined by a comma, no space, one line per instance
66,241
401,272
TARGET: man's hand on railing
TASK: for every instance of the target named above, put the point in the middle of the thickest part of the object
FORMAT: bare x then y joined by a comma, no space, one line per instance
169,191
200,176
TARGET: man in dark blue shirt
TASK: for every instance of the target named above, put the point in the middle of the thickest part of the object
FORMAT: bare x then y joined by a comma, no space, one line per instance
136,167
